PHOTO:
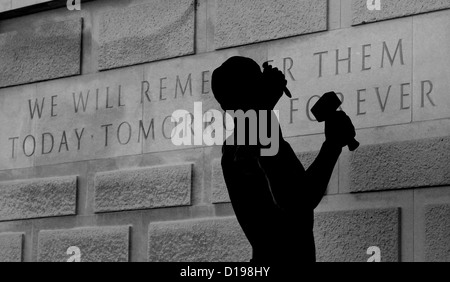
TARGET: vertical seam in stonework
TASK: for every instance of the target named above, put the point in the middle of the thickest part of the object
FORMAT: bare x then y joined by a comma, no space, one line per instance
412,69
413,228
340,16
81,22
338,175
22,246
399,234
34,123
196,8
412,120
206,26
209,196
31,244
129,233
142,110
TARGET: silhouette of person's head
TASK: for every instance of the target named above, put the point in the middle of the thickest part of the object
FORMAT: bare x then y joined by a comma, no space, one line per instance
236,84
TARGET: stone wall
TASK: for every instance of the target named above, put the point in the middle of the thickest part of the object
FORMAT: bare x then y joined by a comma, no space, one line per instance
87,168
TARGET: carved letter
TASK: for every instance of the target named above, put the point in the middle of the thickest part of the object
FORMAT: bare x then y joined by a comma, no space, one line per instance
430,85
399,49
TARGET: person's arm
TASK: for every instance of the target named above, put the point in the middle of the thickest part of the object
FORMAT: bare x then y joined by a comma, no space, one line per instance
319,173
291,186
288,180
338,130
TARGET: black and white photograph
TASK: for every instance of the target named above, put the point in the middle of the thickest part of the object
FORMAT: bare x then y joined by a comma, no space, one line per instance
226,136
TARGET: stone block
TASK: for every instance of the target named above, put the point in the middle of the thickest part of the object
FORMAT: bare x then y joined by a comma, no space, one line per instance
394,9
48,51
205,240
219,187
144,188
345,236
397,165
137,34
38,198
93,244
11,247
249,21
432,58
437,233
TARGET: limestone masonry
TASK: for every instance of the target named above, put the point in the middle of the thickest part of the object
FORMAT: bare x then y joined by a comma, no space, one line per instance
87,168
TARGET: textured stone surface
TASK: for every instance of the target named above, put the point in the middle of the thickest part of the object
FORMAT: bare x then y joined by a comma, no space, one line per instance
417,163
153,187
248,21
219,188
38,198
206,240
11,247
437,233
99,244
307,158
346,235
51,50
394,9
143,33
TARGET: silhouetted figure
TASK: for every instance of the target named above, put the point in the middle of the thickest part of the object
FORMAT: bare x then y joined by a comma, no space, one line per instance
273,197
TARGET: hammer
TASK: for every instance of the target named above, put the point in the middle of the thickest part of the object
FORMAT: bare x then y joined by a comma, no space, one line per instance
325,108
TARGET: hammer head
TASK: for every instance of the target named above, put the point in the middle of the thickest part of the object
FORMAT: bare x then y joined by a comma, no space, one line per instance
326,106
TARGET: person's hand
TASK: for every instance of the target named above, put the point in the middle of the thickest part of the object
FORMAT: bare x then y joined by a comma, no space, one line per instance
274,82
339,129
